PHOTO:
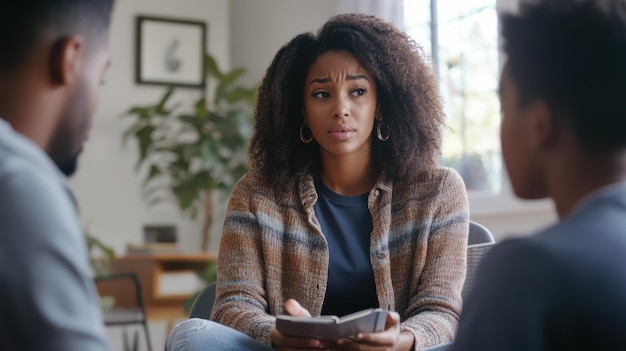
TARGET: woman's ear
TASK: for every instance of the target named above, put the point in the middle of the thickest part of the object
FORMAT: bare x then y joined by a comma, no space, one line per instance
66,59
379,113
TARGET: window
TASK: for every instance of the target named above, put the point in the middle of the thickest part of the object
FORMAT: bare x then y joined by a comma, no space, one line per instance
462,38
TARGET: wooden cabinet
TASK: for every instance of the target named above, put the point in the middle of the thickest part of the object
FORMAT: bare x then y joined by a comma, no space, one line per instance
153,269
162,278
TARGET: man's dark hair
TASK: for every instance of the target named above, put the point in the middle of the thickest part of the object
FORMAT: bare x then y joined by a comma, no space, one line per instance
572,55
22,22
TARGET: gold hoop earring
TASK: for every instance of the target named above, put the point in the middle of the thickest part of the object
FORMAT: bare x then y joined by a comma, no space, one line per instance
305,140
383,132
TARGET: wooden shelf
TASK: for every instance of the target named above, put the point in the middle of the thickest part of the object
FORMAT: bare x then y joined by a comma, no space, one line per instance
150,267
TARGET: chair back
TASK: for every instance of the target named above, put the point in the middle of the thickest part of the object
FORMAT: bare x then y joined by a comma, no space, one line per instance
479,234
203,304
128,307
479,242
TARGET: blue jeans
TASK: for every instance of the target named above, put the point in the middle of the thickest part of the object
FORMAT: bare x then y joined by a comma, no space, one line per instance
197,334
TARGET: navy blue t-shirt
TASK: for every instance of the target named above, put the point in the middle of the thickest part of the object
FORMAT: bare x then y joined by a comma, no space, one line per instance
347,225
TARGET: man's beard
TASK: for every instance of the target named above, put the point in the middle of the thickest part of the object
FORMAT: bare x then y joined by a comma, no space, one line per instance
64,146
68,167
62,150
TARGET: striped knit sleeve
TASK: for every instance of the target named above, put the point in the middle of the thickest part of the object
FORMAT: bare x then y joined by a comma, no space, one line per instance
240,301
435,310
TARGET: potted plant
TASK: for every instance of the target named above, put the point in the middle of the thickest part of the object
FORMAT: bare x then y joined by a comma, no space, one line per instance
193,152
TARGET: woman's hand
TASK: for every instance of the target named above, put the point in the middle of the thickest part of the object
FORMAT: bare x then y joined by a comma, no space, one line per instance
286,343
391,339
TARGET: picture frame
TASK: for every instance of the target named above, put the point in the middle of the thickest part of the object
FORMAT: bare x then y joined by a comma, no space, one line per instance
170,52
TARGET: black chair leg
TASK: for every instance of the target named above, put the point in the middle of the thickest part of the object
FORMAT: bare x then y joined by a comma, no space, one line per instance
145,329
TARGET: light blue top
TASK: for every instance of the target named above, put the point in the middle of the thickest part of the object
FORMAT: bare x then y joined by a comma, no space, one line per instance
48,299
347,225
562,289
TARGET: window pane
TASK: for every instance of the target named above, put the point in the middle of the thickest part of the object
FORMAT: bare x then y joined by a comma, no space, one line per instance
468,74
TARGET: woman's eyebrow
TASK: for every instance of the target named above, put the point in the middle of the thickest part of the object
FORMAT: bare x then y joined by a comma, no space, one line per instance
320,80
348,77
360,76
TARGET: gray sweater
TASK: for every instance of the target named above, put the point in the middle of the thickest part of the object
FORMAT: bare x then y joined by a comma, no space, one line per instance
49,300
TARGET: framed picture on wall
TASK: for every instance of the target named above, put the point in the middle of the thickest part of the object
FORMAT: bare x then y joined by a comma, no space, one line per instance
170,52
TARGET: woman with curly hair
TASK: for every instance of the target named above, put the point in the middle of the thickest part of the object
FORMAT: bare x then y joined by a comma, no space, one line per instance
344,207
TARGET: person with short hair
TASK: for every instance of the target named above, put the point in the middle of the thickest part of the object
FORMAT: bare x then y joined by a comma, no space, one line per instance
345,206
563,94
54,55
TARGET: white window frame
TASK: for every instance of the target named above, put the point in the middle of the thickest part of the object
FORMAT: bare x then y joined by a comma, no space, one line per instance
504,202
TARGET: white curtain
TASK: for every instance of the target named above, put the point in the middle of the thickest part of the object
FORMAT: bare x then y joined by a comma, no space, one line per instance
391,10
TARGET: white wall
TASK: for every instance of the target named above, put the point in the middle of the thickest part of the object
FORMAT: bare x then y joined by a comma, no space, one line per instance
106,185
259,28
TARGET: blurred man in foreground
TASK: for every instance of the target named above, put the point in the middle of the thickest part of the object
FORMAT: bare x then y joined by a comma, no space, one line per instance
54,54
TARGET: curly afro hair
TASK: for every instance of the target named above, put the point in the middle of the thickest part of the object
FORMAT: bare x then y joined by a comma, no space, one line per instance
408,96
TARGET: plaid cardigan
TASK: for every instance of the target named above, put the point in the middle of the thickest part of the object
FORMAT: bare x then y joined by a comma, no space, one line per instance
272,249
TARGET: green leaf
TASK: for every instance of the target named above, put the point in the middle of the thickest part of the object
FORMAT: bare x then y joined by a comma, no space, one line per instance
154,193
140,111
227,79
153,172
230,128
240,94
186,195
93,242
243,120
208,154
201,108
204,181
132,130
160,107
211,67
196,122
189,151
144,136
220,94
